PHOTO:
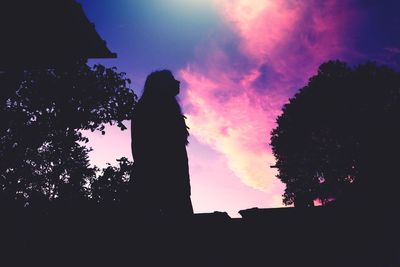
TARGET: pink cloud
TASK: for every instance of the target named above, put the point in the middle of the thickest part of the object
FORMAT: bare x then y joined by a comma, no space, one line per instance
234,96
109,147
394,50
216,188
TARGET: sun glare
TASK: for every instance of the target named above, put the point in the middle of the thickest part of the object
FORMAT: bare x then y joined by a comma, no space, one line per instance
189,4
245,9
250,8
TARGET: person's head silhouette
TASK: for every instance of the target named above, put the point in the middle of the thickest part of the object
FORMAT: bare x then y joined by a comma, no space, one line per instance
161,84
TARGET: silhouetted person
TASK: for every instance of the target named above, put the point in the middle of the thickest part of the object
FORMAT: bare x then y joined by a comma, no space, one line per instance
160,185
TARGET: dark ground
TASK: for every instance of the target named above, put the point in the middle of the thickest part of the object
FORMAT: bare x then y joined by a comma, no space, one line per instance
327,236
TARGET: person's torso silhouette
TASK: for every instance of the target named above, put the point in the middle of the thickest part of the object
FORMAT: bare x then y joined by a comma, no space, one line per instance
160,181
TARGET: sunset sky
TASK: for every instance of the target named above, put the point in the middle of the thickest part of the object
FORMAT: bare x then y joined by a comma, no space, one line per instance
238,62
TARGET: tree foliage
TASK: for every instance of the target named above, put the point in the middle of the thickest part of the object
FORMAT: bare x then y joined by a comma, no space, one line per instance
337,137
111,186
42,152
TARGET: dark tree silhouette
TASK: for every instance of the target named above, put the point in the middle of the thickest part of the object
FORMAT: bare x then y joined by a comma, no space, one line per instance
159,139
338,137
110,188
42,152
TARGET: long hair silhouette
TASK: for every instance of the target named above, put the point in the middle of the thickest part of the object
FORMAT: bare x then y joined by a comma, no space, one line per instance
161,185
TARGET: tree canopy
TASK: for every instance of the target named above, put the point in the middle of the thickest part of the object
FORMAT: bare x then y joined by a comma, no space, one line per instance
337,138
42,153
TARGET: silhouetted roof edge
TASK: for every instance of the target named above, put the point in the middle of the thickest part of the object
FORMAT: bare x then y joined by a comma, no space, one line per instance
106,51
47,33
